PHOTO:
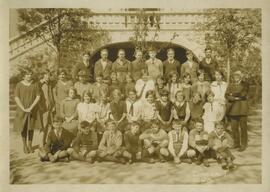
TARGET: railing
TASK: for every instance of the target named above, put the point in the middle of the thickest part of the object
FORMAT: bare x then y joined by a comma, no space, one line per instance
118,21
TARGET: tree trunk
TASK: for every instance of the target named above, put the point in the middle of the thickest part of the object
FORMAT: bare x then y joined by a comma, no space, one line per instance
229,68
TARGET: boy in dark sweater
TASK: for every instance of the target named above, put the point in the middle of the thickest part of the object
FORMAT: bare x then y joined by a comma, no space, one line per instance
133,145
85,145
58,142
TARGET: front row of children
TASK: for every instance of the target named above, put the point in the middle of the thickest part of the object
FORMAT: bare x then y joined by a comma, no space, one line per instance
152,145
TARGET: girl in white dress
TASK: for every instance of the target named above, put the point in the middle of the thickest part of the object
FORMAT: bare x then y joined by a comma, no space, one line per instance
212,112
87,111
219,87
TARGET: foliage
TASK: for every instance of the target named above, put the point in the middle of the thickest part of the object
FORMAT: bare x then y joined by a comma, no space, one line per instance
235,35
146,32
67,32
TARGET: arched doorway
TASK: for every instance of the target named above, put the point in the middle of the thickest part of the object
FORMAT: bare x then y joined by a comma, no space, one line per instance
180,51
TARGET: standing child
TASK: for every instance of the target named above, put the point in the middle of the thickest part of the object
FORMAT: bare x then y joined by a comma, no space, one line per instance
61,89
219,87
109,148
120,66
165,111
118,110
58,141
84,146
48,103
28,115
155,143
138,66
83,84
181,108
174,85
220,141
186,86
178,142
212,112
198,142
133,145
201,86
68,111
190,67
154,65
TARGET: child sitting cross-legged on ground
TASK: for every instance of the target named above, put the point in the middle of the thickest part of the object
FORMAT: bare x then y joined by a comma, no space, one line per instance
84,146
110,148
155,143
133,145
198,142
178,142
220,141
58,142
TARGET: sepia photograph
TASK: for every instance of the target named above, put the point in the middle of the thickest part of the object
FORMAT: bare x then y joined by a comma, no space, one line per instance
135,96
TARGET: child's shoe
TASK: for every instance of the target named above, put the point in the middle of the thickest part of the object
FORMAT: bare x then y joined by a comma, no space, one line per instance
206,163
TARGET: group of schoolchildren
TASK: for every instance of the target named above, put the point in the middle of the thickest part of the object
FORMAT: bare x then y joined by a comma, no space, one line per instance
134,111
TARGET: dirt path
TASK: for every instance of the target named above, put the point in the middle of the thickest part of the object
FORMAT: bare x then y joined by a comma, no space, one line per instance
26,169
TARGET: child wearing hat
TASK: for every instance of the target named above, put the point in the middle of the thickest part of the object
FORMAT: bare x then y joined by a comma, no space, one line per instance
155,142
164,111
109,148
58,141
198,143
133,145
85,144
83,84
220,141
178,141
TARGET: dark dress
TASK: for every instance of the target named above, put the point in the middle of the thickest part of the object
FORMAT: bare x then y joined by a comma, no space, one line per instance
27,95
136,68
164,111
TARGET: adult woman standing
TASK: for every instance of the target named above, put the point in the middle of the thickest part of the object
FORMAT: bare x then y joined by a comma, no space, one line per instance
28,116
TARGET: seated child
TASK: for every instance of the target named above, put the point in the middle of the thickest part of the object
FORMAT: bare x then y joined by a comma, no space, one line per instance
58,141
155,143
109,148
129,85
196,109
133,145
84,146
118,110
133,107
181,108
165,111
148,112
220,141
103,114
198,142
178,142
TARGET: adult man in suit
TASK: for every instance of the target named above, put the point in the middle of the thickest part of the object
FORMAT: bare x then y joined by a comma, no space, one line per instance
237,110
209,65
171,64
103,66
86,66
190,67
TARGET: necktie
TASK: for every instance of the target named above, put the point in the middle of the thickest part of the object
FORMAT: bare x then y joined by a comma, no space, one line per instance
131,111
